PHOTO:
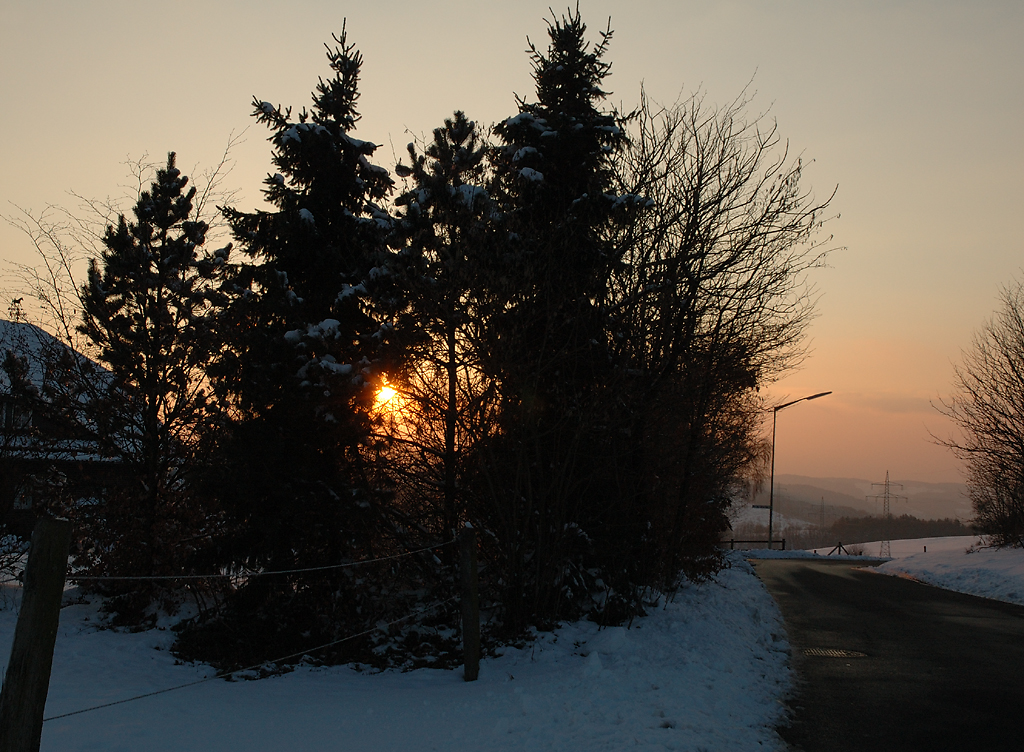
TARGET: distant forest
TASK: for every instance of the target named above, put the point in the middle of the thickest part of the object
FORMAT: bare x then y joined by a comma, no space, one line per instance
864,529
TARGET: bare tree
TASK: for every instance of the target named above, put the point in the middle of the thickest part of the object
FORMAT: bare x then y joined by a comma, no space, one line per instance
987,405
711,304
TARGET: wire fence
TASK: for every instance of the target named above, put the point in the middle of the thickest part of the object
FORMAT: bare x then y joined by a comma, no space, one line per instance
249,574
379,627
226,674
243,575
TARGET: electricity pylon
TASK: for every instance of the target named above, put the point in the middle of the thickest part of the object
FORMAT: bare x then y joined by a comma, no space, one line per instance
887,496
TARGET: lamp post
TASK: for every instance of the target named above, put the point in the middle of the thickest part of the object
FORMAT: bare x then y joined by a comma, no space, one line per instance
771,491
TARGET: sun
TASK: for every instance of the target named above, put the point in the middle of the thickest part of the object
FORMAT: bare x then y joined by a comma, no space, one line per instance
390,404
384,395
387,398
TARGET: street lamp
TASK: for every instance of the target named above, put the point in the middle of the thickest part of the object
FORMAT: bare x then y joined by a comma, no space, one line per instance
771,492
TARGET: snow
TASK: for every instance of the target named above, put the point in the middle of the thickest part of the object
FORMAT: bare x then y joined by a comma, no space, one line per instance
526,151
329,327
899,549
962,563
348,290
748,515
764,553
329,364
708,670
365,147
956,564
377,169
530,174
470,194
32,343
705,671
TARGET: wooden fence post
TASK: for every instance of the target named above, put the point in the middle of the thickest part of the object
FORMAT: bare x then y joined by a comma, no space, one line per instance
470,604
27,681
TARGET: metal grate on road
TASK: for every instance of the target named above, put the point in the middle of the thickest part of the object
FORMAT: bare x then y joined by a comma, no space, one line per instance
833,653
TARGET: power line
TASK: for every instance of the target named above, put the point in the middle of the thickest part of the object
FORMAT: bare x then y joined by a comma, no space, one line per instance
886,496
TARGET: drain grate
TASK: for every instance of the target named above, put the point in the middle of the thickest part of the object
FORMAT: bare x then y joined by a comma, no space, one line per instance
833,653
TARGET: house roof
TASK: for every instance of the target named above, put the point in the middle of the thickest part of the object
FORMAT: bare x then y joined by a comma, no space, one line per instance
29,342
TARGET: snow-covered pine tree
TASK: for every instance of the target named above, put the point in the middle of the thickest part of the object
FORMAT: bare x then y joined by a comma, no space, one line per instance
147,307
553,181
312,257
299,350
445,228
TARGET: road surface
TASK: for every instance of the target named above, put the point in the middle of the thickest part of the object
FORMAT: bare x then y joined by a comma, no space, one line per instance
939,671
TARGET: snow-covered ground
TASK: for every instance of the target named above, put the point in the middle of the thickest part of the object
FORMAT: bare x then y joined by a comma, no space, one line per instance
706,672
960,563
955,564
899,549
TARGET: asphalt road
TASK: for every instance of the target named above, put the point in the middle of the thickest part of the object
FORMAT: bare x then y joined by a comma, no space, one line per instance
941,670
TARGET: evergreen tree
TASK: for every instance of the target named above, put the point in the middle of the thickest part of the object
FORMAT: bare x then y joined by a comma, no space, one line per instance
445,228
147,309
548,342
554,181
300,358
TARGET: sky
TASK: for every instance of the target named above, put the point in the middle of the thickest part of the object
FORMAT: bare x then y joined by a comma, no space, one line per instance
911,110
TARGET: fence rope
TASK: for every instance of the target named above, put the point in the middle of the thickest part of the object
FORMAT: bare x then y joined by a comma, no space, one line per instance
136,578
225,674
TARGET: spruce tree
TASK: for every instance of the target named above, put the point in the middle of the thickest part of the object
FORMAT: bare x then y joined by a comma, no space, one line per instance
554,180
549,343
301,353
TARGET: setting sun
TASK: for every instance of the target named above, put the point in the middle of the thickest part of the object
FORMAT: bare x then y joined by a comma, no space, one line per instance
385,395
389,403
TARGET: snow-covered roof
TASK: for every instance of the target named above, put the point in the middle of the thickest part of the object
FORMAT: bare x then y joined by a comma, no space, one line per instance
38,348
29,342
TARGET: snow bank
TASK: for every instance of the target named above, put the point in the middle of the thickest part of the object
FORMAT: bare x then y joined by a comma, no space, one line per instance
706,671
987,572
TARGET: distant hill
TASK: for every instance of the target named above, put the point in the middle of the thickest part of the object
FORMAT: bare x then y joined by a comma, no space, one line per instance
801,497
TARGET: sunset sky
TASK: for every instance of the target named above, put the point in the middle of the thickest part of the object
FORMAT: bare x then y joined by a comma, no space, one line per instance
913,109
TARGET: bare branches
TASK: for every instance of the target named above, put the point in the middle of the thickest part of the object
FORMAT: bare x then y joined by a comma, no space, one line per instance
987,405
66,238
212,191
731,234
62,245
